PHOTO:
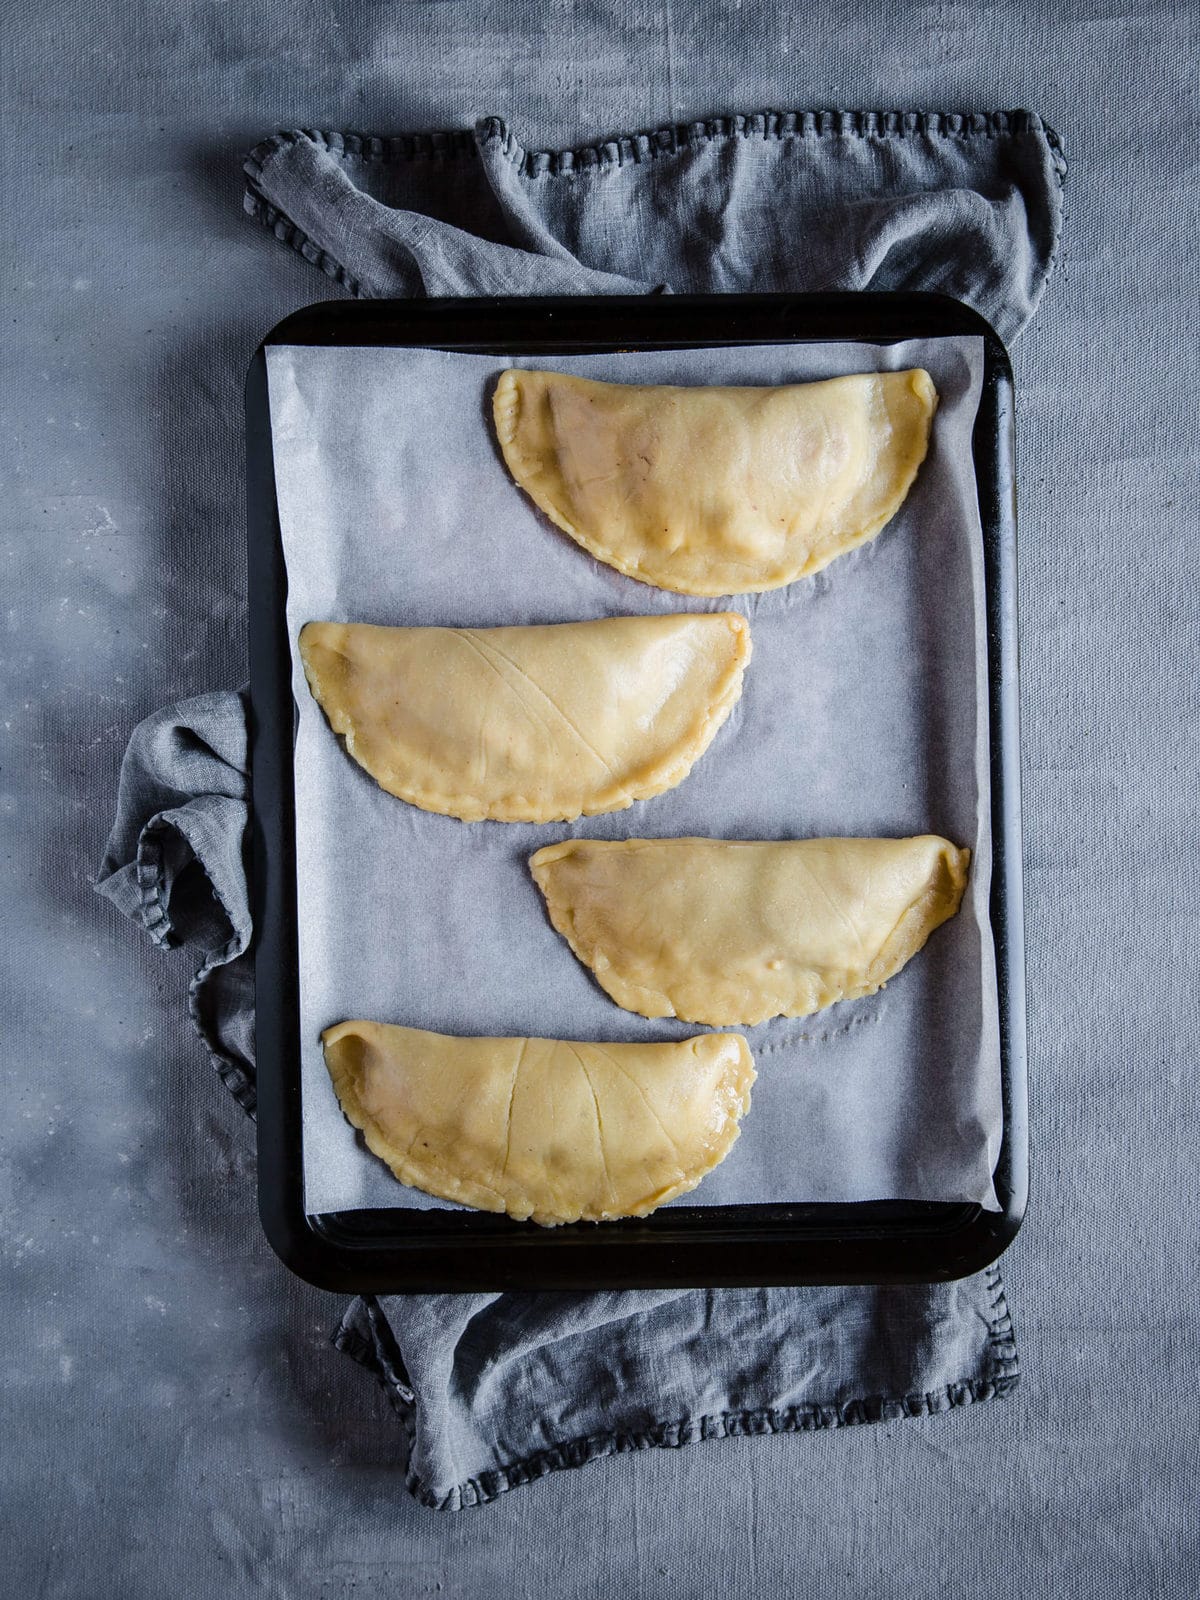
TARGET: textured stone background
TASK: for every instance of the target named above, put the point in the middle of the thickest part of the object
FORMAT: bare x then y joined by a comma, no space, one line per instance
174,1420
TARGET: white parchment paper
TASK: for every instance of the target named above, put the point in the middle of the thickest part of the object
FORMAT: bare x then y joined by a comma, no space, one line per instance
864,712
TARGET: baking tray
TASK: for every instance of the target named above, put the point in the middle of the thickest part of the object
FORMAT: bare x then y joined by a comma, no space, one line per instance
399,1250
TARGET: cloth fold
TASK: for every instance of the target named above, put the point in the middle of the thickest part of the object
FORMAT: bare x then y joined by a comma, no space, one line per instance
177,863
967,205
497,1390
523,1385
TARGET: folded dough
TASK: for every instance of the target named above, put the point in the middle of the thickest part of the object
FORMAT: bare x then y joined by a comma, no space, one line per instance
545,1129
539,724
716,490
731,932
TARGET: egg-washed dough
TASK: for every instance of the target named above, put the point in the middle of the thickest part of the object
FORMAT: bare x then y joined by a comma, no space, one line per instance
716,490
547,1129
731,932
536,724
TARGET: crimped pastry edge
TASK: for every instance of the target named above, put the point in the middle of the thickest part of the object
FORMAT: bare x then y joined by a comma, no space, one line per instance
436,1181
528,473
901,945
519,808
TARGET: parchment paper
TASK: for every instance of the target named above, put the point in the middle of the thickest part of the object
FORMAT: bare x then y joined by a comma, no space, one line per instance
864,712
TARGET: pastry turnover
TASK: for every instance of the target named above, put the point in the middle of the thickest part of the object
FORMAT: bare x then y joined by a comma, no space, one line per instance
716,490
537,724
731,932
542,1128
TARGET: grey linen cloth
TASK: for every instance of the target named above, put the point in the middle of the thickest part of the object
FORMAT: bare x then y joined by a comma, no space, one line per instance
496,1390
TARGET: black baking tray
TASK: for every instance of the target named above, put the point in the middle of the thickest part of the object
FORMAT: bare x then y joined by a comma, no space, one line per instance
393,1251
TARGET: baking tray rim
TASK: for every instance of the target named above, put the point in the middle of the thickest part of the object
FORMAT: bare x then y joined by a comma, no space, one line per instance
399,1251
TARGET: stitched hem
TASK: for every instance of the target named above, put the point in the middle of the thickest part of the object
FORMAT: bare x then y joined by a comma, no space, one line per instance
296,239
1058,155
673,138
1060,167
233,1073
151,882
488,1486
1002,1342
374,1348
156,919
450,145
670,139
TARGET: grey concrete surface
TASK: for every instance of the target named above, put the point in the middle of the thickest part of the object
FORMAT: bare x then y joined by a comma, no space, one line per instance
173,1418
